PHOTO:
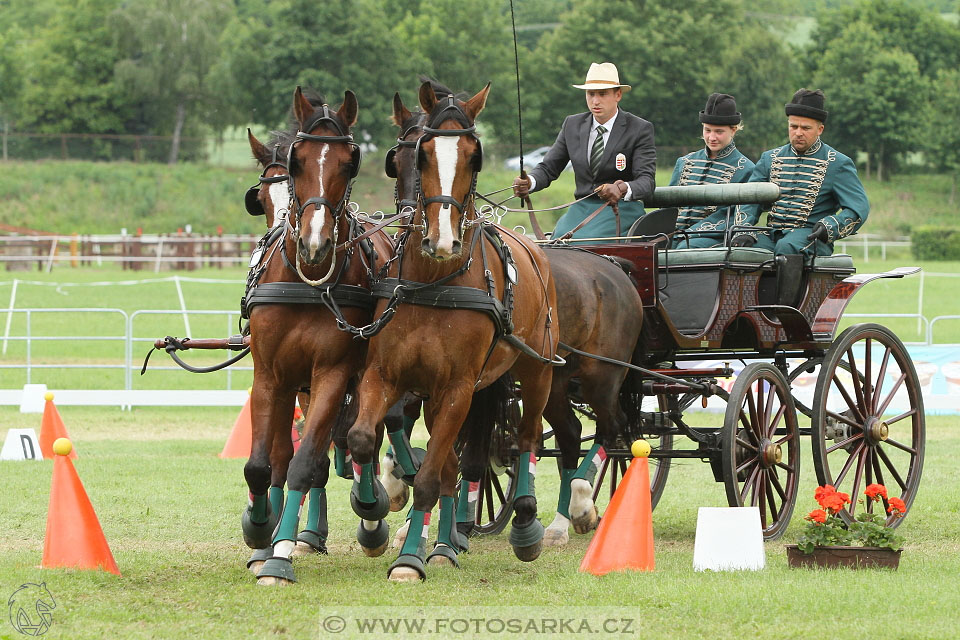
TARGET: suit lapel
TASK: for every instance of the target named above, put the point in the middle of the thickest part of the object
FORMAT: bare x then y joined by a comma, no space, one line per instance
583,135
618,134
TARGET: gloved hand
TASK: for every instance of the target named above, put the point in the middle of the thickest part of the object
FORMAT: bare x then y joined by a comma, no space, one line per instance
521,187
612,193
820,232
743,240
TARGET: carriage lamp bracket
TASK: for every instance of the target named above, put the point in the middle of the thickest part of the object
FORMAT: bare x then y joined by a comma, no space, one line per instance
835,430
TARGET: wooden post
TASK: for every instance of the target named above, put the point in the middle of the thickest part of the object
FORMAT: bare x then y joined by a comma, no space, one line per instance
73,250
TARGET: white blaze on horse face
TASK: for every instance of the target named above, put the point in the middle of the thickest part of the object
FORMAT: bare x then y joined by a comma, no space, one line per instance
446,149
319,216
280,198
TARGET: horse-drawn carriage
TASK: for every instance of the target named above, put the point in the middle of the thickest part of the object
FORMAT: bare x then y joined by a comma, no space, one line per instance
453,304
727,304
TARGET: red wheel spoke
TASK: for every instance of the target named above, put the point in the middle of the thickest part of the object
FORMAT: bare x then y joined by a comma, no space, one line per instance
752,404
901,446
767,411
786,467
746,464
901,416
893,392
844,443
846,467
880,376
846,397
748,484
771,500
857,379
867,393
893,470
775,481
856,480
787,437
747,445
776,421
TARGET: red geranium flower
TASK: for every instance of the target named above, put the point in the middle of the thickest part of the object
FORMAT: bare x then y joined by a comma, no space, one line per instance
875,491
897,507
834,502
822,492
817,515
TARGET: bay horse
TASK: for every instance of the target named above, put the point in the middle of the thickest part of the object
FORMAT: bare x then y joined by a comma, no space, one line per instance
428,343
294,343
599,312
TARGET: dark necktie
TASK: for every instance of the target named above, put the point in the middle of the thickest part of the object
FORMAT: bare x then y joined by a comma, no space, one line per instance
596,151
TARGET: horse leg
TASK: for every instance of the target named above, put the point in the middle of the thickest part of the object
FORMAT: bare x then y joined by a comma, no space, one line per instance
326,393
281,452
401,461
526,531
447,546
271,414
601,393
444,415
566,431
313,538
342,460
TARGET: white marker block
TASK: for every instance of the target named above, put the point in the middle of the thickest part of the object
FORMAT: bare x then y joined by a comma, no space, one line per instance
728,539
32,400
21,444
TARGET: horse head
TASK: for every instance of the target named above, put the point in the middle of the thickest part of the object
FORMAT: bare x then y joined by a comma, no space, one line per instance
323,160
401,160
448,158
274,201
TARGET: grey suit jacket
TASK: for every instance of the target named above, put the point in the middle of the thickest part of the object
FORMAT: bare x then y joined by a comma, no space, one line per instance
632,137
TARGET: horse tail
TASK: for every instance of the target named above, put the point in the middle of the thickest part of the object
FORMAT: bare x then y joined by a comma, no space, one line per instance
490,409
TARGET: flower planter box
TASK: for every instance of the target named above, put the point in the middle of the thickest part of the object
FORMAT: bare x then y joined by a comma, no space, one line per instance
852,557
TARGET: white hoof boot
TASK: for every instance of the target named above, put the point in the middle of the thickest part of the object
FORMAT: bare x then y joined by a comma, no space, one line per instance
401,536
557,534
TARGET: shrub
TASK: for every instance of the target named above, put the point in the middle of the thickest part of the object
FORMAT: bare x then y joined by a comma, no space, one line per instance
935,243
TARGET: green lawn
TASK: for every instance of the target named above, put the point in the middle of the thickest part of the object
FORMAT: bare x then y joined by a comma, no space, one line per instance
170,511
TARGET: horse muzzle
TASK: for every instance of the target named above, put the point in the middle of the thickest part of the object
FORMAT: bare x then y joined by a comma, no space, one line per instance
314,251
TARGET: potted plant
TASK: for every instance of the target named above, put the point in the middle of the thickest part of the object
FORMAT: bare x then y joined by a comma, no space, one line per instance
868,541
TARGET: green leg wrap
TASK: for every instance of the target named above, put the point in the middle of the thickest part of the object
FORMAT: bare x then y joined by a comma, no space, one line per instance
408,423
276,499
526,475
342,462
260,509
402,453
591,464
290,518
446,530
467,501
415,544
317,512
366,483
563,504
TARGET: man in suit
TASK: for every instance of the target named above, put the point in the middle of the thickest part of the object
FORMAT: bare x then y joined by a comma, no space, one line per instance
613,155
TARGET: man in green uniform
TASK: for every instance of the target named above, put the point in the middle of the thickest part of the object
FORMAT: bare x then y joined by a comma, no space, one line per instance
610,149
719,162
821,196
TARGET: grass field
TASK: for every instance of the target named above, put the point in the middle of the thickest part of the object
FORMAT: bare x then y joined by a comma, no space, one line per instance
170,510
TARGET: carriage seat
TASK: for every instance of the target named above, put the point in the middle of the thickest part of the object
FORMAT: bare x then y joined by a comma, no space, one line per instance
690,281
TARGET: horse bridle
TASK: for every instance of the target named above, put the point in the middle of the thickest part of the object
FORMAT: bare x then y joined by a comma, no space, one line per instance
390,164
251,199
437,117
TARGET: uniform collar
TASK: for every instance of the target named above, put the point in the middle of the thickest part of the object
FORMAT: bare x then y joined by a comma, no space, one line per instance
723,153
809,152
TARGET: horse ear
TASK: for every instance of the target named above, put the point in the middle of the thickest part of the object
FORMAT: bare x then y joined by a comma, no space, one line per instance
400,113
348,110
260,152
428,99
475,105
302,109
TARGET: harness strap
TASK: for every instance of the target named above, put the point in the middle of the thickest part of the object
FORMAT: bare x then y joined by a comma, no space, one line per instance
347,295
444,297
569,234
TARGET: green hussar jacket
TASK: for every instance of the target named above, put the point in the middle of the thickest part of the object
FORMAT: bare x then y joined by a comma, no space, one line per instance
820,185
730,166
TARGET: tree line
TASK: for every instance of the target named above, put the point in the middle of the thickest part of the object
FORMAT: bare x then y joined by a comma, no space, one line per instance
192,69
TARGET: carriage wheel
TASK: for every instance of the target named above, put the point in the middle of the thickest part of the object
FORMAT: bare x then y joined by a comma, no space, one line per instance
869,427
760,447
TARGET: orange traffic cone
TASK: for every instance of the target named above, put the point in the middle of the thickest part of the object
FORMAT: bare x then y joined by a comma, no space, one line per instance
74,538
624,539
241,436
52,428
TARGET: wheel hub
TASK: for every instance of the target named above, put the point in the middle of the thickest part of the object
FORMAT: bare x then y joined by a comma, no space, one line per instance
771,453
877,429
